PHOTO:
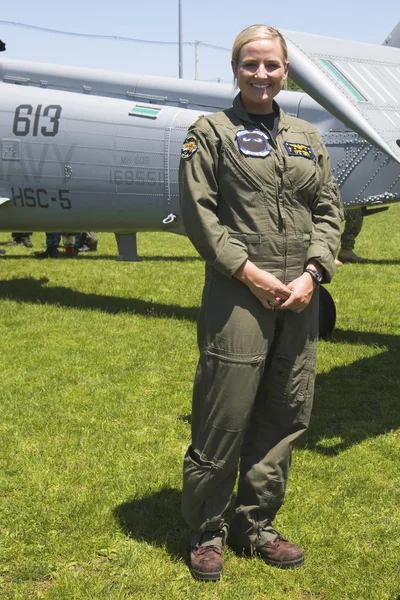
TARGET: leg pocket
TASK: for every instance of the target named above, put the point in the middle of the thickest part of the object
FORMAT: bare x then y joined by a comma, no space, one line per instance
225,388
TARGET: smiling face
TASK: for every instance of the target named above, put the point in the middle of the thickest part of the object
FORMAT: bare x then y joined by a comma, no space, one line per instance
260,71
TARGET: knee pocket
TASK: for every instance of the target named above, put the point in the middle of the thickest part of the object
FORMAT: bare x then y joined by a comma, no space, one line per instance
225,387
230,386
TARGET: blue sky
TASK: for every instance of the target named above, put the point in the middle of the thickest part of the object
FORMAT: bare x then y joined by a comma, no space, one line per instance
211,21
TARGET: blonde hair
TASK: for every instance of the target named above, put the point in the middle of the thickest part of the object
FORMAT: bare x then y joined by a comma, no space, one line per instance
257,32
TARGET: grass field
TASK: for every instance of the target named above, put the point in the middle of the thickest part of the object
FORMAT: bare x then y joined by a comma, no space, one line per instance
98,359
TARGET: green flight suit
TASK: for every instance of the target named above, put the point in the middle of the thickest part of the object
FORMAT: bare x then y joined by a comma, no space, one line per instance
254,383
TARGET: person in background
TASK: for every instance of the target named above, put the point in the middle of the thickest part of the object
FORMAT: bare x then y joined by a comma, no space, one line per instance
353,225
21,238
86,241
52,245
260,205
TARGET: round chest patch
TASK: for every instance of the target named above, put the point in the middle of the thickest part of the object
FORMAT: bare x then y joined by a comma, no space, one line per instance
253,143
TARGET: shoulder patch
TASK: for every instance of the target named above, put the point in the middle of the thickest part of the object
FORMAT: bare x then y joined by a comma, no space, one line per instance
297,149
189,146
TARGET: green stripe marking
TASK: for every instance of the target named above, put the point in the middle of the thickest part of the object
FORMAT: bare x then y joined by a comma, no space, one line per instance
343,80
143,111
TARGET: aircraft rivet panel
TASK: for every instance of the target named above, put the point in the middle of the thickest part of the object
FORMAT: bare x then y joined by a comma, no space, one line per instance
126,136
343,138
10,149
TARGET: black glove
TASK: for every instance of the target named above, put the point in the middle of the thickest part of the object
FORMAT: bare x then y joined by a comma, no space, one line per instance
2,46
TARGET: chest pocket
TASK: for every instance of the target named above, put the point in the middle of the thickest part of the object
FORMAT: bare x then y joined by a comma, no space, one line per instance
243,191
301,167
242,168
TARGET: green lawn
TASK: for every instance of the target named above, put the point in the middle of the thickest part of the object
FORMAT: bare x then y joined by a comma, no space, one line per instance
98,359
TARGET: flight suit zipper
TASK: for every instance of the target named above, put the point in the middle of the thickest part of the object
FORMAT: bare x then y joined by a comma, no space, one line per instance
281,198
281,201
281,204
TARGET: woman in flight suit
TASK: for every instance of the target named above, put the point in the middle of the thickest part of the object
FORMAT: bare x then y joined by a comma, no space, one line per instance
261,207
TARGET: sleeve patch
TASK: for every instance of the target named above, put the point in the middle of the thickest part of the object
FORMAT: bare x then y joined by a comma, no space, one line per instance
189,146
296,149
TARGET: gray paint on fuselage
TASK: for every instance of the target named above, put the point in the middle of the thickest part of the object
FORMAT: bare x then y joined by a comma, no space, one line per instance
35,162
110,170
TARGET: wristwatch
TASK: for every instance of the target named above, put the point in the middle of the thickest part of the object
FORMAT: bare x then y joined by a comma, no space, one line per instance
316,275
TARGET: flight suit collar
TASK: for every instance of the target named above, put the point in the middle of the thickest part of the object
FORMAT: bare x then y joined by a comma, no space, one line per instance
242,114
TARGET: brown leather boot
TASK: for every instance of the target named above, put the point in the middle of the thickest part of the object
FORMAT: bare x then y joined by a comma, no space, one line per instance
207,563
267,543
207,557
281,553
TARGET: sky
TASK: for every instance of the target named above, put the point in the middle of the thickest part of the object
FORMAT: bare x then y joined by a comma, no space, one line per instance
215,22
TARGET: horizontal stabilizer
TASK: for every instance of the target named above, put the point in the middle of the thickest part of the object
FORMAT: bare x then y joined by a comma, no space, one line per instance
358,83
